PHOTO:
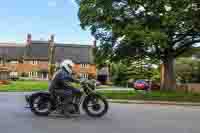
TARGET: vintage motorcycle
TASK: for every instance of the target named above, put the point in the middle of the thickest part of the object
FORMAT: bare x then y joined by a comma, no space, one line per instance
94,104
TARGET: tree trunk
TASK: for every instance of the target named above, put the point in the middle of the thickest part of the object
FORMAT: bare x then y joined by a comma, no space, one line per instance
168,74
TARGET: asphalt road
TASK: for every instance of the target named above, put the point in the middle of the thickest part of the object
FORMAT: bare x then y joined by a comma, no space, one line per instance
121,118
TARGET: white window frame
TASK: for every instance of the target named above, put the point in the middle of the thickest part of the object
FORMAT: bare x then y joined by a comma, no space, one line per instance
14,62
30,74
33,74
84,75
34,62
84,65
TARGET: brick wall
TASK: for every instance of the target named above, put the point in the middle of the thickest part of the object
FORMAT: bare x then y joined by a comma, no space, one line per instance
27,67
89,69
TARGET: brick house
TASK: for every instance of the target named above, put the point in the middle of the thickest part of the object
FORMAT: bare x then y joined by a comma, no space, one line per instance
31,59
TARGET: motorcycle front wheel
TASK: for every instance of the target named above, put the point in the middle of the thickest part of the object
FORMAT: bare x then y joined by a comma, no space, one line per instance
95,105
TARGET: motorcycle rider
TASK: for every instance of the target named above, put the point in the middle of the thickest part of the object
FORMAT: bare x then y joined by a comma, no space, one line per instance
61,83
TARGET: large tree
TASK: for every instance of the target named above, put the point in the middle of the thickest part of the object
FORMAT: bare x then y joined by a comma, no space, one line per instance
162,29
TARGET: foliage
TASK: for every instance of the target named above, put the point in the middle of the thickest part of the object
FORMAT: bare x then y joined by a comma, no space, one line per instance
161,29
102,55
188,70
122,72
194,51
150,24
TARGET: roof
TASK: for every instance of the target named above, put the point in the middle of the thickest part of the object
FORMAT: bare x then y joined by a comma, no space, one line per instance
39,50
12,44
11,50
75,52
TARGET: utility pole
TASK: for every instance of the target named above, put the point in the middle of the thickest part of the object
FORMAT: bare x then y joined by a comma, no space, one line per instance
51,57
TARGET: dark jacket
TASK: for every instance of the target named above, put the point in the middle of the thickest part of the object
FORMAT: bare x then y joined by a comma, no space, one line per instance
61,81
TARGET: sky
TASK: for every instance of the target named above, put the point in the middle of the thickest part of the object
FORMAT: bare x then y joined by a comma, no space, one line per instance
41,18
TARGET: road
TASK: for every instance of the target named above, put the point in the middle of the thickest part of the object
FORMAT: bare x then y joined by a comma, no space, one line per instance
121,118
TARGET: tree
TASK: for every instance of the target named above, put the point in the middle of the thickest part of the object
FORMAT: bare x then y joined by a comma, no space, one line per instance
163,29
188,70
123,72
101,54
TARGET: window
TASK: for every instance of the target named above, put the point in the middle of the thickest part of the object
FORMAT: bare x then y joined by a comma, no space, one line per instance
14,62
33,74
34,62
84,65
30,74
13,74
84,75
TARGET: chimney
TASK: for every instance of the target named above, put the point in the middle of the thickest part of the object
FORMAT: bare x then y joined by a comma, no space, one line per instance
52,38
29,39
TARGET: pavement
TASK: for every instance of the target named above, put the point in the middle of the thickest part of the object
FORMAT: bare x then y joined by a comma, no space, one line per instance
121,118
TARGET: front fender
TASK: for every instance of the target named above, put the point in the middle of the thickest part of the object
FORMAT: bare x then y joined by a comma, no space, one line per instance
89,97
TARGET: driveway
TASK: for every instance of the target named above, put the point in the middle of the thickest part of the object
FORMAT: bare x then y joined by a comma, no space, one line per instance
121,118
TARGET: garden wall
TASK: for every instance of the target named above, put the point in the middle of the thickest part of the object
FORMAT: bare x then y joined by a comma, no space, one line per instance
191,87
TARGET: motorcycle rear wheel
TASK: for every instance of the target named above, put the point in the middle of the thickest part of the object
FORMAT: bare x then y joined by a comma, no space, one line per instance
40,105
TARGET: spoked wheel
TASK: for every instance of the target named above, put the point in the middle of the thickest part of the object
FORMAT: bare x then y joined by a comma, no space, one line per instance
41,105
96,106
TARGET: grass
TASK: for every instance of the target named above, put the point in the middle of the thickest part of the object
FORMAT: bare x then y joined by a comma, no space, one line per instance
154,96
26,86
19,86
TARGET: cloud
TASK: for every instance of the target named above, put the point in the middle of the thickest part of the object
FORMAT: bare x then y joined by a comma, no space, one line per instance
52,4
73,2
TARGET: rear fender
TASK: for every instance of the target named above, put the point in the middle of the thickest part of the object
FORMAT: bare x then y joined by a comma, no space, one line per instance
42,94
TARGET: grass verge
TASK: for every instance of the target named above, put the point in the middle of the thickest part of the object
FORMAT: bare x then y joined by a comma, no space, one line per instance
24,86
153,96
27,86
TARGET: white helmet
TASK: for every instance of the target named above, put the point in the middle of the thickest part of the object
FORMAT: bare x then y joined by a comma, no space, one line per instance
67,65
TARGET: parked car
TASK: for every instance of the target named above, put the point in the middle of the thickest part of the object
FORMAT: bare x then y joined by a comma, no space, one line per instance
141,84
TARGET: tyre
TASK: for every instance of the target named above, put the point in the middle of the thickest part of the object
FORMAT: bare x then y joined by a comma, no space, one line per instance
40,105
95,105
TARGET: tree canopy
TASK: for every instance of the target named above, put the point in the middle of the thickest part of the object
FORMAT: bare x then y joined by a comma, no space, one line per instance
161,29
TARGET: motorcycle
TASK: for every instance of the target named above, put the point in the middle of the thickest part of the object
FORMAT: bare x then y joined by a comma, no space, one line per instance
94,104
